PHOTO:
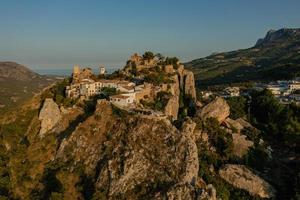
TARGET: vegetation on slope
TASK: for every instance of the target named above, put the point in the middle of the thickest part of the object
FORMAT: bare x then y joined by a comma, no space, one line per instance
18,84
279,127
274,59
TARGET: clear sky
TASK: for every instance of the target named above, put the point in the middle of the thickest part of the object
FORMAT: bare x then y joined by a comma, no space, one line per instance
60,33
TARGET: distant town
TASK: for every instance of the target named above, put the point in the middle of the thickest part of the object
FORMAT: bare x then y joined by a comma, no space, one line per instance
286,91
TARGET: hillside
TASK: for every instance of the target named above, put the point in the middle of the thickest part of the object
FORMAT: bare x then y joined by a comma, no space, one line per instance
277,56
18,84
93,149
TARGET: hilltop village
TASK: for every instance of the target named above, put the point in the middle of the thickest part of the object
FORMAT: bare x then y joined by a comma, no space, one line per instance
147,83
141,129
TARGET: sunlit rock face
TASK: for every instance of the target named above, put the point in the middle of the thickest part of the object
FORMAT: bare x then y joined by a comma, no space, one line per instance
218,109
241,177
49,116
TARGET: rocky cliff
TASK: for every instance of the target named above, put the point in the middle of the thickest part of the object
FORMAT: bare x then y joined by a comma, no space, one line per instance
172,106
136,152
275,36
114,154
242,177
218,109
95,150
168,75
49,116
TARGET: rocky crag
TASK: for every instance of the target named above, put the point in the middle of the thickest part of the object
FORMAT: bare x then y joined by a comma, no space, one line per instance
109,153
171,76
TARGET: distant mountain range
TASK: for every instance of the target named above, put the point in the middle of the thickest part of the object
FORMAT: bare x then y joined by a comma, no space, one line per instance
276,56
18,84
12,70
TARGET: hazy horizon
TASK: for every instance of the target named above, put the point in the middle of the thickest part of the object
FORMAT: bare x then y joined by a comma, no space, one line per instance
56,34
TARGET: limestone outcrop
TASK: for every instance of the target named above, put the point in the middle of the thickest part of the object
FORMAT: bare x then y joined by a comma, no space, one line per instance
244,123
83,143
183,82
241,177
191,161
128,153
241,144
189,84
151,154
49,116
218,109
172,106
233,124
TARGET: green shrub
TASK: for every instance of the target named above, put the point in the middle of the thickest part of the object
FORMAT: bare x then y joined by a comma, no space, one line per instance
157,78
56,196
279,123
219,138
86,186
257,158
238,107
148,55
171,61
119,112
108,91
160,101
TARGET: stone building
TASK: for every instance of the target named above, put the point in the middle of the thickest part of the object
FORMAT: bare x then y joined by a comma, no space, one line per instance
76,69
102,71
138,62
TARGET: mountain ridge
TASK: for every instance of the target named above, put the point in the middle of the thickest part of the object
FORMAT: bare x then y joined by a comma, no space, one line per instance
13,70
18,84
275,35
276,56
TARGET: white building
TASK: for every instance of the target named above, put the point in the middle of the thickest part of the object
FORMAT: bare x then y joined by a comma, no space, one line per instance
206,94
125,89
102,71
128,92
109,83
122,100
73,91
232,92
275,89
295,97
294,86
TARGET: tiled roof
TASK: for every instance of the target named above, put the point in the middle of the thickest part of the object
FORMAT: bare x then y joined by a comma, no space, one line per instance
127,87
119,96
